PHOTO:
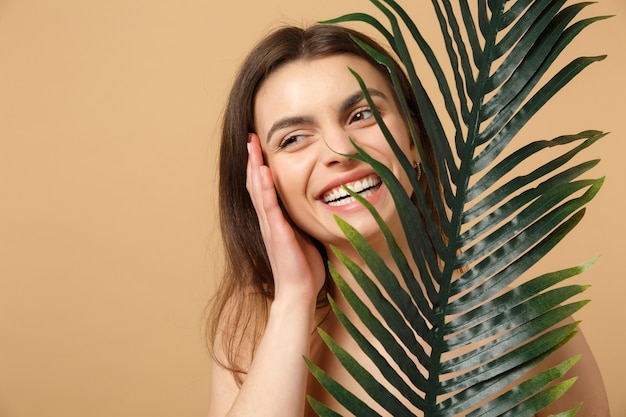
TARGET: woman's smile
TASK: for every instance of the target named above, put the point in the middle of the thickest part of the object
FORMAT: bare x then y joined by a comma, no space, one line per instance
365,187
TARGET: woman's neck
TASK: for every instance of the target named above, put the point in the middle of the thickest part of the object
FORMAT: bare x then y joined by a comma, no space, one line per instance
380,248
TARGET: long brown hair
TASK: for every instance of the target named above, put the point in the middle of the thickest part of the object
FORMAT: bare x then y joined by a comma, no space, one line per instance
239,310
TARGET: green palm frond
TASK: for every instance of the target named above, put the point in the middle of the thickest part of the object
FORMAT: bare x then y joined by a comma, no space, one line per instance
496,219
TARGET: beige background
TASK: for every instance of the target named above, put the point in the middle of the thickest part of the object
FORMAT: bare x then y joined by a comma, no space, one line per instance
108,241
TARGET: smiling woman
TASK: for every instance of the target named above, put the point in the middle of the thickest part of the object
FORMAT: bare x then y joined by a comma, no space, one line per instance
108,148
293,117
296,105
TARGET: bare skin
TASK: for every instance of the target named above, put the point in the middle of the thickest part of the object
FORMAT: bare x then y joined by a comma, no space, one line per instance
278,381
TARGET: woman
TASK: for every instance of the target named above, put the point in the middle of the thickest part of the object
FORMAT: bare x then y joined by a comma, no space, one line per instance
296,105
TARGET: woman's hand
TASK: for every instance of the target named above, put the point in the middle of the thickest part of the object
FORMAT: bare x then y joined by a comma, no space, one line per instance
297,265
276,380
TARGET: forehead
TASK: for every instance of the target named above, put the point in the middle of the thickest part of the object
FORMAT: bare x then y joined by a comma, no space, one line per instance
309,85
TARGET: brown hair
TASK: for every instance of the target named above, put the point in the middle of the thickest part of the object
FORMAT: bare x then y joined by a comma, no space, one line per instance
239,309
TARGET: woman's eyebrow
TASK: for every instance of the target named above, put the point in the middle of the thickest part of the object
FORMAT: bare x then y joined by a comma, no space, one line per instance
357,97
349,102
288,122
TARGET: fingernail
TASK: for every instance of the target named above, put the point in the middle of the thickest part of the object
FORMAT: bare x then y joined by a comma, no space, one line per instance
248,146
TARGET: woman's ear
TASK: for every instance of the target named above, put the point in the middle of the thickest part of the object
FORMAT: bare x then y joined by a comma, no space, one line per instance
414,156
415,160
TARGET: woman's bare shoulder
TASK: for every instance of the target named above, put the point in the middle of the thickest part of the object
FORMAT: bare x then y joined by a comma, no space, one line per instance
236,333
588,389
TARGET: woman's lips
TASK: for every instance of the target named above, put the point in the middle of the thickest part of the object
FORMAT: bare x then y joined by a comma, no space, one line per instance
365,186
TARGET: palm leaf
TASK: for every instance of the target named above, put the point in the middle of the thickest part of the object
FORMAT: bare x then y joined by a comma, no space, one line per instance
496,219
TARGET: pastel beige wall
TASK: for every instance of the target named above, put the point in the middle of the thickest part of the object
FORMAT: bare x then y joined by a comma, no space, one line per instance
108,239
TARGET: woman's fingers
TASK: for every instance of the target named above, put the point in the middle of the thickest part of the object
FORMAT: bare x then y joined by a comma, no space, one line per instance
274,227
263,194
254,182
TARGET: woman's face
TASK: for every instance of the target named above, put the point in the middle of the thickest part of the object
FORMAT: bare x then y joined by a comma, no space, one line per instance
305,114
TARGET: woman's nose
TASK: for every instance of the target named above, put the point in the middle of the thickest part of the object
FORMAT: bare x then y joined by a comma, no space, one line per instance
337,145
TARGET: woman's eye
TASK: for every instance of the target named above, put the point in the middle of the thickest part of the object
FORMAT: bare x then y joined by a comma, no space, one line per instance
290,140
361,114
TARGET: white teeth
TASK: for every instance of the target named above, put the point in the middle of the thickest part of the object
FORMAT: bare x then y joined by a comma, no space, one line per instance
365,187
